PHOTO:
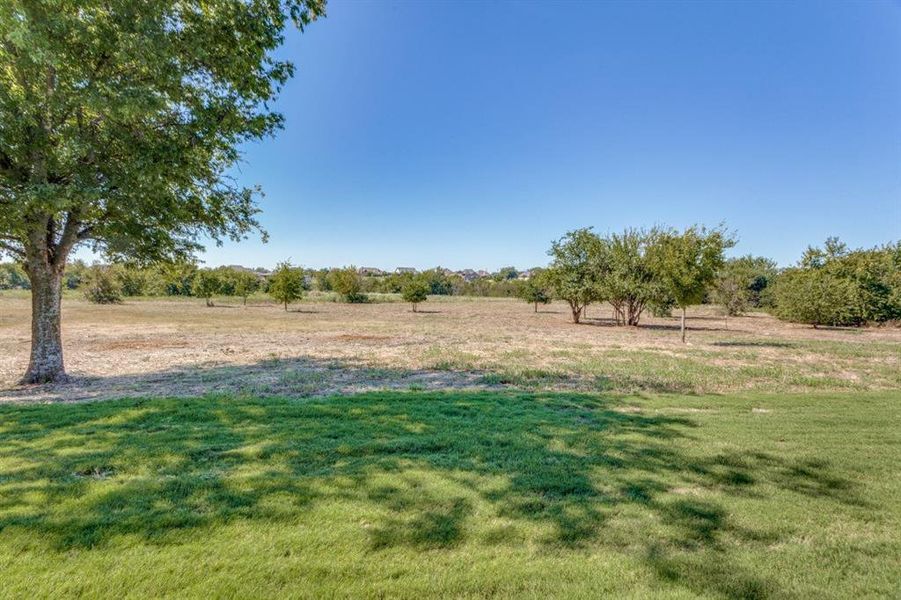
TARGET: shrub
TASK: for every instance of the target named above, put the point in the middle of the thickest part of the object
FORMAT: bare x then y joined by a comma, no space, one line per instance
206,284
535,292
244,284
415,291
348,283
286,284
101,286
816,297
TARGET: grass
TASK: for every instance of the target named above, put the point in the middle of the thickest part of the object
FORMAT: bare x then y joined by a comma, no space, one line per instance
467,494
167,347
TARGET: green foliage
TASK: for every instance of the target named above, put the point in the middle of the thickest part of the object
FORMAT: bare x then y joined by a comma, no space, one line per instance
244,283
506,273
579,263
630,284
687,263
286,284
12,277
416,291
729,292
134,280
322,280
207,283
817,297
102,286
535,290
121,125
348,283
863,286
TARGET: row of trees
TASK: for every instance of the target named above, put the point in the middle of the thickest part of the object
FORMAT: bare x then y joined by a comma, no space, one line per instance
634,270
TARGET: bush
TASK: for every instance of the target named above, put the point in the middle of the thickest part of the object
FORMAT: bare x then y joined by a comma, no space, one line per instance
286,284
863,286
816,297
415,291
101,286
348,283
534,292
13,277
207,283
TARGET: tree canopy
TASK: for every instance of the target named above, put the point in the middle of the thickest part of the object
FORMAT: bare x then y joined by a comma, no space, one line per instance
121,121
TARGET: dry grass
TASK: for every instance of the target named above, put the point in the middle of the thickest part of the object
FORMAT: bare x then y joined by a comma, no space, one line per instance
181,347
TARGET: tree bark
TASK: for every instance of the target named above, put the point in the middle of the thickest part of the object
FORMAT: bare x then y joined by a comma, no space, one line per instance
46,362
536,307
577,312
683,325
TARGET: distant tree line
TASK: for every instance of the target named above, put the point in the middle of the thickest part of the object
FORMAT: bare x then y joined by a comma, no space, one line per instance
634,271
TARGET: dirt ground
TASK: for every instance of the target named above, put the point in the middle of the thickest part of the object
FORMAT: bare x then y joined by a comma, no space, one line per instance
183,348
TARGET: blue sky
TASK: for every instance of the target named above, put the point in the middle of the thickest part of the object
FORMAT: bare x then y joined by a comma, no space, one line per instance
471,134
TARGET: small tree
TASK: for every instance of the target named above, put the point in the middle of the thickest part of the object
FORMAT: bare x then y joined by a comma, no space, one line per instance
348,283
207,284
534,292
101,286
730,293
415,291
286,283
245,284
579,265
686,263
630,285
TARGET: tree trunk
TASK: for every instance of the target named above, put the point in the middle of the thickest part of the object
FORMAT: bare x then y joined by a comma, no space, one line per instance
414,307
683,325
245,300
536,307
46,362
577,313
286,307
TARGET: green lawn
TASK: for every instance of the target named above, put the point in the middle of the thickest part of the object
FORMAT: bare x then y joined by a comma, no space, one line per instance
454,494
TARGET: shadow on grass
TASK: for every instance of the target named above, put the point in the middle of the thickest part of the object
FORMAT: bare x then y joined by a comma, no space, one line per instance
81,476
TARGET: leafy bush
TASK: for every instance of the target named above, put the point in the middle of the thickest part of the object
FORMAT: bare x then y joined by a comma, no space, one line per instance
816,297
534,291
415,291
101,286
835,286
286,284
207,283
13,277
348,283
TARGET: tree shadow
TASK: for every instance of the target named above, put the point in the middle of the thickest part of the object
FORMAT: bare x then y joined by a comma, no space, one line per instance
562,464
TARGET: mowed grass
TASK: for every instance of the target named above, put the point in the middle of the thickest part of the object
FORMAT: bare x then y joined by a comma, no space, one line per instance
454,494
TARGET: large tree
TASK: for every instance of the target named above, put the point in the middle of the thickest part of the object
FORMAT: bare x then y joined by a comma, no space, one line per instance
119,124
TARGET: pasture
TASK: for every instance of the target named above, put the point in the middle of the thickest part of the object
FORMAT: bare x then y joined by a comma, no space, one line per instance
473,449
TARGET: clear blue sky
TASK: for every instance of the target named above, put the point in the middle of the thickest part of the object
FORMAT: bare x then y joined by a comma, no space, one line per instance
471,134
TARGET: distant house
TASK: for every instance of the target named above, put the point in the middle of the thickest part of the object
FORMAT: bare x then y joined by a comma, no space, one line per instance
483,273
402,270
371,272
525,274
467,274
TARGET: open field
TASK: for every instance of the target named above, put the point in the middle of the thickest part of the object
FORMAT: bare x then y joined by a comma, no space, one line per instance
476,449
182,348
454,494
